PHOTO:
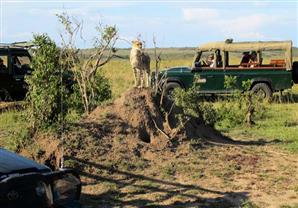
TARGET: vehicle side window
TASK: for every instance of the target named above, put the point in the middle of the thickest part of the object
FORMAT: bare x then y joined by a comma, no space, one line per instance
18,63
236,59
3,65
256,59
211,59
274,58
208,59
244,59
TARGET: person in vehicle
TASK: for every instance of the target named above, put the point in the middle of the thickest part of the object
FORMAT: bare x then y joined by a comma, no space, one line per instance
253,62
211,60
245,58
219,58
3,68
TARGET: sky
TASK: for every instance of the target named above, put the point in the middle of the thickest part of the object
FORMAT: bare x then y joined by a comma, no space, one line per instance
174,23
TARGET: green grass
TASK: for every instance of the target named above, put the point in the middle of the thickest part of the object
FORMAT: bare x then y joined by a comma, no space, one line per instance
120,74
13,130
280,122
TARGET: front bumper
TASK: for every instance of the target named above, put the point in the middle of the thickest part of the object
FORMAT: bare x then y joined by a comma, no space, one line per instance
41,190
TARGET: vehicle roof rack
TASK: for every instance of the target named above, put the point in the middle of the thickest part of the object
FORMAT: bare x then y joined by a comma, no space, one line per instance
22,44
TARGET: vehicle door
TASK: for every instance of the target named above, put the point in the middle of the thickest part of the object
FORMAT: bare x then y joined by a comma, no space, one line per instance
237,65
210,72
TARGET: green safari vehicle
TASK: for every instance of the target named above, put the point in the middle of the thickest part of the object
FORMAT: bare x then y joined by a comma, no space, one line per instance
268,65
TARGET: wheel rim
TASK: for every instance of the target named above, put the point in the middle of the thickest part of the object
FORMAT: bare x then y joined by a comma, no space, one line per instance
261,93
170,94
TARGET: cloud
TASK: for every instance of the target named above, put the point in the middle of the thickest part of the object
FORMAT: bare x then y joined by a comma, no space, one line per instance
199,14
78,9
247,27
236,25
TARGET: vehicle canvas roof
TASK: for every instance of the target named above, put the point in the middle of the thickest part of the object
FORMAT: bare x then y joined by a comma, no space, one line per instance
247,46
252,46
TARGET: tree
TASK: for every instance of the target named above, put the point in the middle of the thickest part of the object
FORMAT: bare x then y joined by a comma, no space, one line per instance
92,88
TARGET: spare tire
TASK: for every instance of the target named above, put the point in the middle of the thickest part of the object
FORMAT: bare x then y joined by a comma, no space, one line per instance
169,88
295,72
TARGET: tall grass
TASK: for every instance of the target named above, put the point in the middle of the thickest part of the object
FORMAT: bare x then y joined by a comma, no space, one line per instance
120,74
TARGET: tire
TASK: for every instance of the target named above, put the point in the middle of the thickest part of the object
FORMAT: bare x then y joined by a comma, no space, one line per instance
295,72
168,90
5,95
263,90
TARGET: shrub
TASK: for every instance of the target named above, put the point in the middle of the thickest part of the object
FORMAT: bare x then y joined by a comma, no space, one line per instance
194,107
241,107
99,87
47,93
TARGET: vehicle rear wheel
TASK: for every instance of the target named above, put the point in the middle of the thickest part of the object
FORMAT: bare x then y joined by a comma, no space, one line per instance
169,89
5,95
262,90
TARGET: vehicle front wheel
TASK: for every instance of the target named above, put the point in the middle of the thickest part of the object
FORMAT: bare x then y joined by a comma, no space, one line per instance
169,89
262,90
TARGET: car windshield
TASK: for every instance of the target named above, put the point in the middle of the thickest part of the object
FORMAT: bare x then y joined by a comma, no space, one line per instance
23,59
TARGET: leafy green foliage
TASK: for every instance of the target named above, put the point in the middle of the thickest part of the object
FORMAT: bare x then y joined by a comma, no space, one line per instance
241,107
194,107
46,90
98,90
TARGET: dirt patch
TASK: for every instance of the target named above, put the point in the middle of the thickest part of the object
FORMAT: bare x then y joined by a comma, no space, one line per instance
5,106
46,149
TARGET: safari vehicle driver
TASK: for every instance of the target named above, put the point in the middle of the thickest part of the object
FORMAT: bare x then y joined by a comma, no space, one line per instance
211,60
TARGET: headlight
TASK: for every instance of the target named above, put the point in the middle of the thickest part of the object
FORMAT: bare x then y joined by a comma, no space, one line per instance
42,190
66,189
26,190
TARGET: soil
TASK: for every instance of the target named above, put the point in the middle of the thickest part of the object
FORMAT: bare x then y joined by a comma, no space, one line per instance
128,156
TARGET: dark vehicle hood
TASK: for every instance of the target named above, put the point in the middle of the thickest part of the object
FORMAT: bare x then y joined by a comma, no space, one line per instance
13,163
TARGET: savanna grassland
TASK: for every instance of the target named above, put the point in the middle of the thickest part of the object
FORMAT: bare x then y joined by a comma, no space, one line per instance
256,167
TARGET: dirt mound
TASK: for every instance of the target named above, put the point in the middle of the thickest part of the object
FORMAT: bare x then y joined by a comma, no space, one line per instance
133,126
138,114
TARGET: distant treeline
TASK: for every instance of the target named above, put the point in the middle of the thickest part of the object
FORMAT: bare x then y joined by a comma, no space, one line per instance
169,53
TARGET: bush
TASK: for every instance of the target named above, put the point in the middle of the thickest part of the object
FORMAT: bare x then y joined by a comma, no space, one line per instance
194,107
98,91
241,107
46,94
